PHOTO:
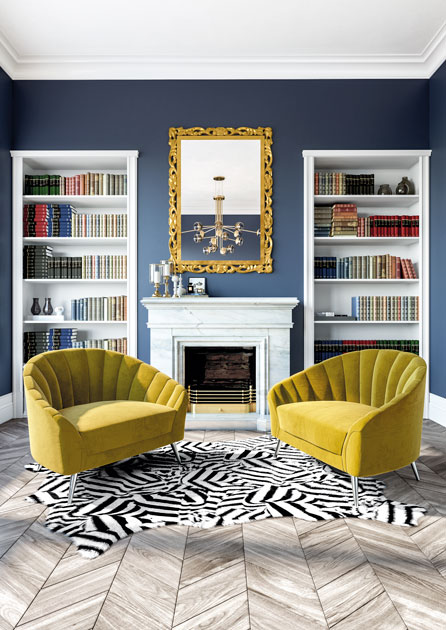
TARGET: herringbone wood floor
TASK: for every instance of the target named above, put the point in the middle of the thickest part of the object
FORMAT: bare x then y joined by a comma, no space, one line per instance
278,573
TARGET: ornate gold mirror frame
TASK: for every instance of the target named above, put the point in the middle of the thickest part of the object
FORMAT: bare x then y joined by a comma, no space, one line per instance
264,263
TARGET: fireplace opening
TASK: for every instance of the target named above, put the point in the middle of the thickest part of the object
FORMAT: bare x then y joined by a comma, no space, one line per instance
221,379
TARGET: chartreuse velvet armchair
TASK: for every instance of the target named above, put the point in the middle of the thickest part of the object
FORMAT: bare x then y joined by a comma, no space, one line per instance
360,412
91,407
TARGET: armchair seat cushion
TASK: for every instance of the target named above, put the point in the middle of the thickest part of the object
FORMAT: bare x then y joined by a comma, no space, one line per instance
109,424
323,423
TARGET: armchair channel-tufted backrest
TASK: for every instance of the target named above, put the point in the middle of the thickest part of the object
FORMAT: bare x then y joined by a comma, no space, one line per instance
65,378
371,377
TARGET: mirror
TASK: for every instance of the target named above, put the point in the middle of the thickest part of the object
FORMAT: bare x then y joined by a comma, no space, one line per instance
220,185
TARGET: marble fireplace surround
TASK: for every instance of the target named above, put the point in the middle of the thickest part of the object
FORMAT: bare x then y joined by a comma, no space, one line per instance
263,323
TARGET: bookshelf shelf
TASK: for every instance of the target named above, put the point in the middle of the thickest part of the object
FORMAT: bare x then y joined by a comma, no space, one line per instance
360,321
366,280
335,295
73,280
384,202
109,202
365,240
63,290
75,322
68,240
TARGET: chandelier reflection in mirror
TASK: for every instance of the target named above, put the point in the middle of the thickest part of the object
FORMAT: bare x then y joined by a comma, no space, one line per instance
219,237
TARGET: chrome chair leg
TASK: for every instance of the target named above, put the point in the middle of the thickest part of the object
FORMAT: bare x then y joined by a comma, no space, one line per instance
175,452
73,480
355,487
276,452
415,471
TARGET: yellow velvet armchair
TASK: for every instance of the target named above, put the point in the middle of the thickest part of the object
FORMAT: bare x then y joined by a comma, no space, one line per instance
91,407
360,412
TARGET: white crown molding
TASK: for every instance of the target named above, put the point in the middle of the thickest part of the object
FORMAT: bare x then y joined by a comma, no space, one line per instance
8,56
435,52
60,67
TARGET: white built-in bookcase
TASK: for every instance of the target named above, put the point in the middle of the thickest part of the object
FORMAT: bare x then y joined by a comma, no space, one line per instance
335,295
62,291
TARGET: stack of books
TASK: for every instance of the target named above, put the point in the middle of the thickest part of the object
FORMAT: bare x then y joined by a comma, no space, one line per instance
386,308
322,220
345,220
36,342
381,267
36,261
100,225
84,184
329,183
385,225
328,348
113,308
118,345
47,219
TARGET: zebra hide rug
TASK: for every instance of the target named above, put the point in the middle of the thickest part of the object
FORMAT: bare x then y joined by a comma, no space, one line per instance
218,483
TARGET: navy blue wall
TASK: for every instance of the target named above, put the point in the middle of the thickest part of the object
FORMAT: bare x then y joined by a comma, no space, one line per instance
379,114
5,231
438,231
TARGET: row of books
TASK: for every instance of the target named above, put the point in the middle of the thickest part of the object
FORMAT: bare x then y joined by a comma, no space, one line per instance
99,225
328,348
104,267
48,220
112,308
386,307
396,225
83,184
39,263
117,345
381,267
38,341
338,183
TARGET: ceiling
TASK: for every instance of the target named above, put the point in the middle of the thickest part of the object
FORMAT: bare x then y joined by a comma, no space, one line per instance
232,39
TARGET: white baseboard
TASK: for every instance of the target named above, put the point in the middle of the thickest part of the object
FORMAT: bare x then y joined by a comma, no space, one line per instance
437,409
6,408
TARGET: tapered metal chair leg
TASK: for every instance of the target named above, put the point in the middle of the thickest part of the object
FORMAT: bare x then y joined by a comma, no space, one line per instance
276,452
355,490
175,451
415,471
73,480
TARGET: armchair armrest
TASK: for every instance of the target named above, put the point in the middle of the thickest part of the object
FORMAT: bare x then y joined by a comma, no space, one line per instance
296,388
55,442
387,438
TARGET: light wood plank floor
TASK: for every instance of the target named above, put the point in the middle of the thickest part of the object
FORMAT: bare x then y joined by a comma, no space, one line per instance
278,573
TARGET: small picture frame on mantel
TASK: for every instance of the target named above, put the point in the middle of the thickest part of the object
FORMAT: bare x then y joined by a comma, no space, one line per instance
196,287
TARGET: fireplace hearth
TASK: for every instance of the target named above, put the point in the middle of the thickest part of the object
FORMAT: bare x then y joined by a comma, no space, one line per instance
221,379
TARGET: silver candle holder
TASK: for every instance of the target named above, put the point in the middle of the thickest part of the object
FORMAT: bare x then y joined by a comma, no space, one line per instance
166,267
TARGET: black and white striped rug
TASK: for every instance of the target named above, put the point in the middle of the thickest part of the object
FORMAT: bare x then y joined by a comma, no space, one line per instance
219,483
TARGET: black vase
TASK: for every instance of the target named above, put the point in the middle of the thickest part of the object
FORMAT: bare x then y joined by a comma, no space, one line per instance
48,308
35,308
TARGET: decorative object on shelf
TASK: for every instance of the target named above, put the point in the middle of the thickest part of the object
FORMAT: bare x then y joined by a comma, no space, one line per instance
384,189
196,286
35,308
166,268
244,156
175,280
181,289
48,307
155,278
59,310
219,234
405,187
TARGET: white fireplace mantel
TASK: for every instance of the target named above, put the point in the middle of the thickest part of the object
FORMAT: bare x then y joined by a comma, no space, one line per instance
264,323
